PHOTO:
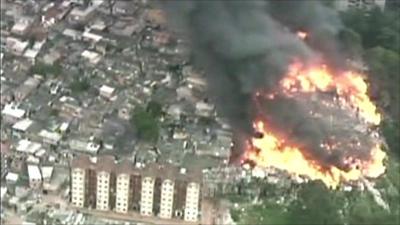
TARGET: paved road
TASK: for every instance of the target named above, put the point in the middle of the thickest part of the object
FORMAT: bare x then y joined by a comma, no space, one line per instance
136,217
131,216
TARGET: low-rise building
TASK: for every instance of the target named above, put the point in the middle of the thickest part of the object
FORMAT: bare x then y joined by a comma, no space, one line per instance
12,178
107,91
35,176
92,37
20,127
21,27
122,7
71,33
11,113
204,109
83,14
26,88
50,138
92,57
16,46
47,172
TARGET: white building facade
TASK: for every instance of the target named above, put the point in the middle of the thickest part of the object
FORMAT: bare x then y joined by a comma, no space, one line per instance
192,202
78,187
103,191
147,196
154,190
167,199
122,193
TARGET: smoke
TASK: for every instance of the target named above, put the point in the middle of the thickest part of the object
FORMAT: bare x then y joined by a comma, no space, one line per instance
322,22
246,46
241,47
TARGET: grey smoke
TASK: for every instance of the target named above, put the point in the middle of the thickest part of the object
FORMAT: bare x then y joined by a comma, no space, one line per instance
246,46
238,43
322,22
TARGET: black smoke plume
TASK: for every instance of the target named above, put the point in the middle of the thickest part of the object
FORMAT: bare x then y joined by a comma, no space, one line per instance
246,46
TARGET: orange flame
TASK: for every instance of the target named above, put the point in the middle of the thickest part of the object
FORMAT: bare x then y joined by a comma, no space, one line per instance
350,86
273,153
302,35
351,89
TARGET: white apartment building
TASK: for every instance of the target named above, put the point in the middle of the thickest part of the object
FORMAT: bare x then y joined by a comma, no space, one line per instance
147,192
122,194
103,190
167,199
153,190
192,202
78,187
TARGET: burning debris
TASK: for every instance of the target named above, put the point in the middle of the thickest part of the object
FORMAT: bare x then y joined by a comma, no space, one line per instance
337,153
286,91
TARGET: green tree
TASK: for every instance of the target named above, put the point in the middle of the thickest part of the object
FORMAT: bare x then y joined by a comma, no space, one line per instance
351,42
265,214
54,112
154,108
45,69
80,85
385,76
389,38
391,131
328,3
146,125
315,204
365,211
374,26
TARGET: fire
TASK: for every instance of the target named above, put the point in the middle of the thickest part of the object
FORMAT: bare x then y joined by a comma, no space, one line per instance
274,153
302,35
350,88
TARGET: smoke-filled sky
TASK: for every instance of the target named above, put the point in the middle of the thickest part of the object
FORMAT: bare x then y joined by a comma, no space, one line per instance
246,46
